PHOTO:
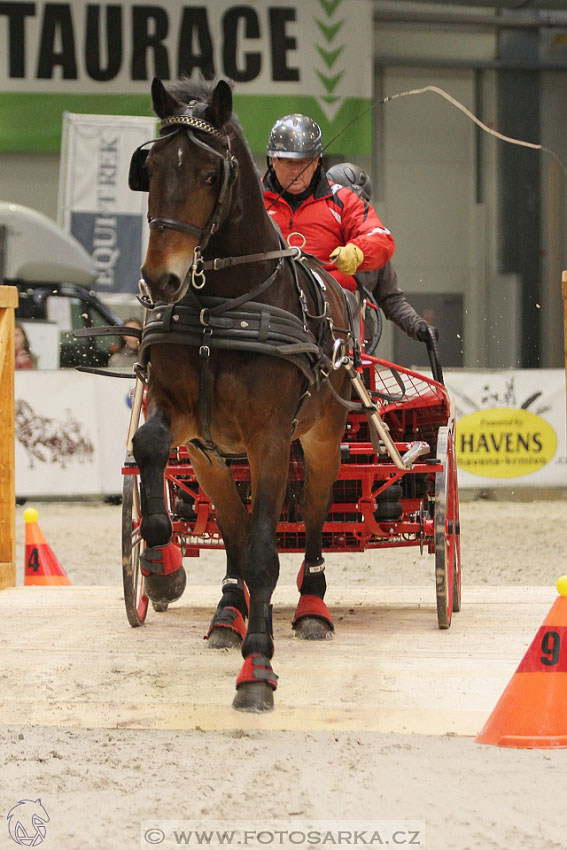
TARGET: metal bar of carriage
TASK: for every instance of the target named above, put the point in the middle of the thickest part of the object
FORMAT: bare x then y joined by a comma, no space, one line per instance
378,502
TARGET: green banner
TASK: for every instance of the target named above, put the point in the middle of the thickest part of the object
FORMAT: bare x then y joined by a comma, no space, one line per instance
97,58
33,122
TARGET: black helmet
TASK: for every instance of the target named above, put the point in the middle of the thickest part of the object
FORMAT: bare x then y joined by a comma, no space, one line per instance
352,176
295,137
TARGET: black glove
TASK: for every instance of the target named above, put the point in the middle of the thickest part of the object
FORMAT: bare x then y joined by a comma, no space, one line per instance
424,330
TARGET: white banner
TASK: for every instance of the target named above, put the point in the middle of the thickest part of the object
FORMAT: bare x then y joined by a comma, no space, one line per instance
70,433
71,430
294,47
510,427
95,203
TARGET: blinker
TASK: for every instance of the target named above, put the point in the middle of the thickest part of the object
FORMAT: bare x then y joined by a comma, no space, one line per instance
138,178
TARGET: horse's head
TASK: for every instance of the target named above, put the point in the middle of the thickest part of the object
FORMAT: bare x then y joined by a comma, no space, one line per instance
188,172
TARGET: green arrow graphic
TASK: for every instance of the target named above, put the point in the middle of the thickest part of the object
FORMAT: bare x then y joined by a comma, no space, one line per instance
329,5
330,82
329,32
329,56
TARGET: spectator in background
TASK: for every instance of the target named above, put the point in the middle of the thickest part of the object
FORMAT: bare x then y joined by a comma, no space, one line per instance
23,357
127,352
382,283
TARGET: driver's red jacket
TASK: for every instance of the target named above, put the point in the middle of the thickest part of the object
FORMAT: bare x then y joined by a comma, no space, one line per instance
328,217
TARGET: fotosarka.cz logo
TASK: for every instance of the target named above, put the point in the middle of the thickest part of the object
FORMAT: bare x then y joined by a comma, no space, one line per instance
170,834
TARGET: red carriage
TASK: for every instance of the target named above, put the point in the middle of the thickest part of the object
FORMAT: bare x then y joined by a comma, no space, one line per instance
382,498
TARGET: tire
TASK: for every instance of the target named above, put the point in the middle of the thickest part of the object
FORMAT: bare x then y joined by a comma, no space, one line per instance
135,599
444,529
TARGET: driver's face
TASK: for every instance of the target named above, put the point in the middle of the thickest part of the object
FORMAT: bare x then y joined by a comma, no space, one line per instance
291,173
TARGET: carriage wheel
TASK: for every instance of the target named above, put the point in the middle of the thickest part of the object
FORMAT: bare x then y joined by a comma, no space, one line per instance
135,599
447,542
456,527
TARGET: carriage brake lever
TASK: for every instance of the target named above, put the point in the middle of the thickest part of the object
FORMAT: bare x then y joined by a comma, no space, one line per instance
374,419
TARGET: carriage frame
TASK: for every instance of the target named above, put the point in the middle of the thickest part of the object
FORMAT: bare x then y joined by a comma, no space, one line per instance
377,503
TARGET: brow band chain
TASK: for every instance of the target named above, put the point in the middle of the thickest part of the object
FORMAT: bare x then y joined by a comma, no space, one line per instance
198,123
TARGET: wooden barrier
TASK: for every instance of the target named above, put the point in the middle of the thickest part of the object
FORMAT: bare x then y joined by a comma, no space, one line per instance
8,302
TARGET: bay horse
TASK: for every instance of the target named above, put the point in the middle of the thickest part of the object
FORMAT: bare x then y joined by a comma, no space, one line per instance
240,341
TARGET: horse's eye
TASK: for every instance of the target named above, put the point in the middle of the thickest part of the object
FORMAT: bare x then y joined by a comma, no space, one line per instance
211,179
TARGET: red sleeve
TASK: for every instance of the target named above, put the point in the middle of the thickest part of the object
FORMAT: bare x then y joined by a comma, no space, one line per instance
362,226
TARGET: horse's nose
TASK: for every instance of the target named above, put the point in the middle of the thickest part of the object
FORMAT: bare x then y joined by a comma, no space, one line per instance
165,287
169,286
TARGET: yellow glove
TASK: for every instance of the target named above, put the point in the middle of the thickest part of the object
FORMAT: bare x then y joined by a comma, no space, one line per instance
347,258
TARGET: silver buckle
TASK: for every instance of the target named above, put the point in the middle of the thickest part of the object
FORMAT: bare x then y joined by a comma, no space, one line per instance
196,273
337,358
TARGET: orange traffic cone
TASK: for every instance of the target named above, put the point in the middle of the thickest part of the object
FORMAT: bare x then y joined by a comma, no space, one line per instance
42,567
532,711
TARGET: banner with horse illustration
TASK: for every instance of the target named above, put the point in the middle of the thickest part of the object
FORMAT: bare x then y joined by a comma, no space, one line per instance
283,56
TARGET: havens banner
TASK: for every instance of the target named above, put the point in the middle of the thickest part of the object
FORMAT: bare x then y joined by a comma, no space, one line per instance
283,56
510,427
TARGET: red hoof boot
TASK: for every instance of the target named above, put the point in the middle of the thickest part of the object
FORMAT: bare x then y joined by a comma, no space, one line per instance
255,685
312,619
164,575
227,628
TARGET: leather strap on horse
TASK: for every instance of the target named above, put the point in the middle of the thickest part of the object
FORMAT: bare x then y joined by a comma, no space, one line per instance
220,263
257,668
257,327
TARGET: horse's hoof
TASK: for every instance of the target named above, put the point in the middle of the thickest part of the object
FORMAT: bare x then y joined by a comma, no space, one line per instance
254,697
165,588
160,606
312,628
222,638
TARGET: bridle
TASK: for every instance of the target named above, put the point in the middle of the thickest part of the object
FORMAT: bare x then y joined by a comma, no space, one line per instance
188,122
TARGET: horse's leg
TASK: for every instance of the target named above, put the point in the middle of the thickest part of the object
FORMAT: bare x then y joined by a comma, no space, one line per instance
269,463
321,449
161,561
227,626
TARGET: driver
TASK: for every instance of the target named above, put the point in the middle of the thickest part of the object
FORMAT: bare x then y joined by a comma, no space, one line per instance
334,224
382,283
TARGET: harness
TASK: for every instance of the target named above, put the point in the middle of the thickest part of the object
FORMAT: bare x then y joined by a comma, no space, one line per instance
241,323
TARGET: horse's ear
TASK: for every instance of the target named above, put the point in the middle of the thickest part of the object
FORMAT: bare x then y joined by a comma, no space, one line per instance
220,107
163,103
